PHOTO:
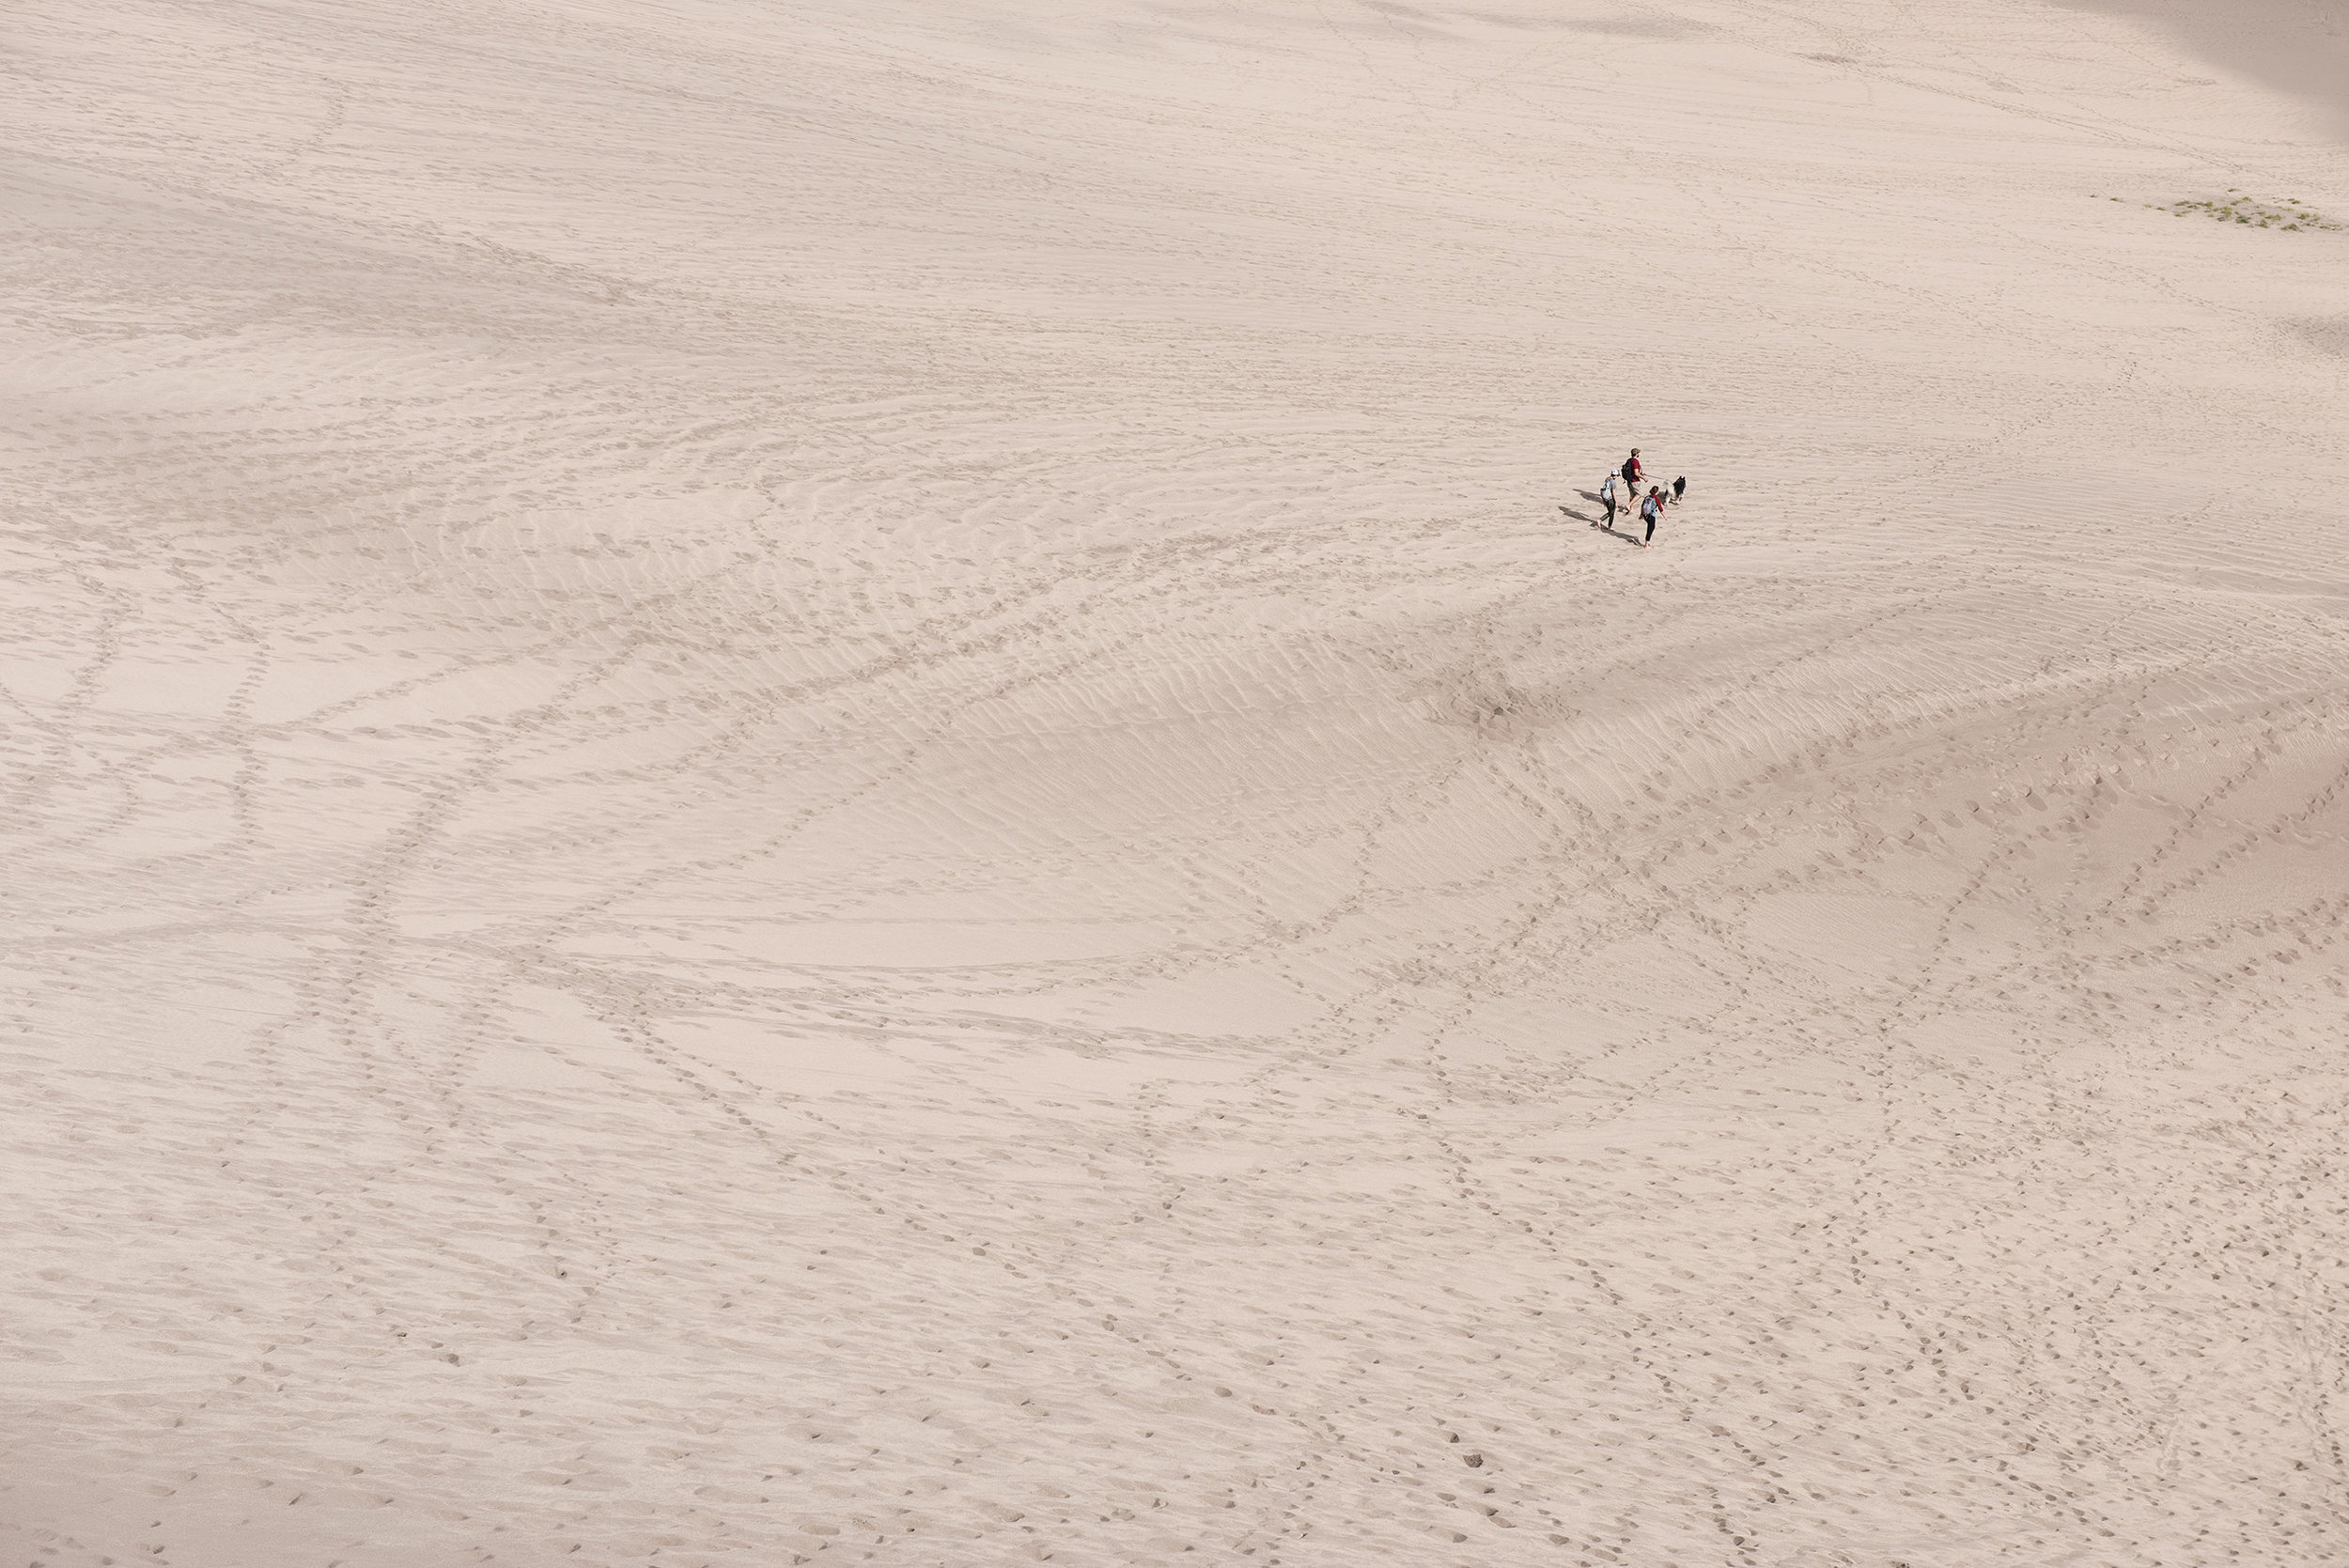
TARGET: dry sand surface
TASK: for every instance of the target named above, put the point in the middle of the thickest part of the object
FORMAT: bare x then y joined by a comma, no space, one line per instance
831,783
2299,45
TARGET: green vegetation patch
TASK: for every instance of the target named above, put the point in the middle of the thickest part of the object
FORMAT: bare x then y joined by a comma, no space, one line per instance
2236,208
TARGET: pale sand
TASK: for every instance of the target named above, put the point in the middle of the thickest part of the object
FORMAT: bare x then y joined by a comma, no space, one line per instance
2301,46
829,783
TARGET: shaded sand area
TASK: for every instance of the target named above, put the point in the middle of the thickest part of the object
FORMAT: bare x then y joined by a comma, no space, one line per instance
2301,46
832,784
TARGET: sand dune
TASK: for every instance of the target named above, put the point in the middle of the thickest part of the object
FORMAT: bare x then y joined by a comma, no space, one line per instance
852,782
2301,46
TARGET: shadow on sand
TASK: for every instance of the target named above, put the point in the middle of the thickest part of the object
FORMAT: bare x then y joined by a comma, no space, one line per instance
2298,45
1602,527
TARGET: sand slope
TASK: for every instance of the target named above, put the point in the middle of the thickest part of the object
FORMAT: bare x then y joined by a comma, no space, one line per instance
831,783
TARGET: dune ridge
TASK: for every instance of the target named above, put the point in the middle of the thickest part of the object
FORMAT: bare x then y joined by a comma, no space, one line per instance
2301,46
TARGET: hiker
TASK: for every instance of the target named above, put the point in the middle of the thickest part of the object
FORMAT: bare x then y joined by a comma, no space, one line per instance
1680,487
1650,505
1607,494
1632,471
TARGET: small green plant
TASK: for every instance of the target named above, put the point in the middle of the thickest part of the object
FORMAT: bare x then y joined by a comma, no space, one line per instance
2291,214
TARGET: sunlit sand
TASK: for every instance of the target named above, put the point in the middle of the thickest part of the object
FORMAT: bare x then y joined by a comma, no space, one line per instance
854,783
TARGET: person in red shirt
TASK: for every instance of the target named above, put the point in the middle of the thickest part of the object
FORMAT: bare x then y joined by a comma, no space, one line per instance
1632,471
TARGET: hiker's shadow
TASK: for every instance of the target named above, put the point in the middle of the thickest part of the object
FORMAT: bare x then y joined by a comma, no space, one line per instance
1606,528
